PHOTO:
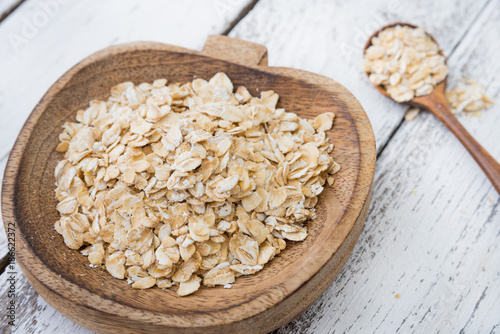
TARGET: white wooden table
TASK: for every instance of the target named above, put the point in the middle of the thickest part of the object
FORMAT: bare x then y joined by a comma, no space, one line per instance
428,260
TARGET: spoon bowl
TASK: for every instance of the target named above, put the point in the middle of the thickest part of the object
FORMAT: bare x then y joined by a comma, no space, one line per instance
416,100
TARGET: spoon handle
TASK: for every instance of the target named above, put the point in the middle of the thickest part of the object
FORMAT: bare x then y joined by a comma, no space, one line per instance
488,164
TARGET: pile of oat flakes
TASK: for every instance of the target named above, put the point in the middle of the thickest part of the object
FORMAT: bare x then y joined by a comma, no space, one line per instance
172,185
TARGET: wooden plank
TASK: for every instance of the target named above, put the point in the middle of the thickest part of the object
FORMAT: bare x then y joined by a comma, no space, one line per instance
3,236
40,42
32,314
432,237
327,37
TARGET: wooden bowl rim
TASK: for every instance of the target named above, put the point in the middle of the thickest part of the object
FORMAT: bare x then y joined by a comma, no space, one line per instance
73,292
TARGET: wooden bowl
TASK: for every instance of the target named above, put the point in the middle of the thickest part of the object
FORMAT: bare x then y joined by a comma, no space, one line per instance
259,303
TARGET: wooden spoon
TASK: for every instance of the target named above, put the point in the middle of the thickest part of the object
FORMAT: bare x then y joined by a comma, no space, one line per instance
436,103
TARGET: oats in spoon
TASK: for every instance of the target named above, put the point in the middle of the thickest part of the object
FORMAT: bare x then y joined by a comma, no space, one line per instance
405,61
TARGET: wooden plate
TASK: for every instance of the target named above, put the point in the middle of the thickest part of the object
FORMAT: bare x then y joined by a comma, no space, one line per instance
255,304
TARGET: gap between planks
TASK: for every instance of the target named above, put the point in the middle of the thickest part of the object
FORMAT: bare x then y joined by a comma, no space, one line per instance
244,12
7,7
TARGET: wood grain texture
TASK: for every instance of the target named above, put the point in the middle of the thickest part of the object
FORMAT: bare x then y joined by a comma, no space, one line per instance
3,236
235,50
327,37
459,288
433,232
34,315
6,8
257,303
74,29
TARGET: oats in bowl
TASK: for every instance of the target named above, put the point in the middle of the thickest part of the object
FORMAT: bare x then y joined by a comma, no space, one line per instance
189,185
405,61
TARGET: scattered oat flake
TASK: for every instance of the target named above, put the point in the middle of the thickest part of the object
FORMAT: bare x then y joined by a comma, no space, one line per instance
468,95
397,295
411,114
183,185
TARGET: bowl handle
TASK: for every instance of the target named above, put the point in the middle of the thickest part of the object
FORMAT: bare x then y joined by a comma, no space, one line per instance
235,50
